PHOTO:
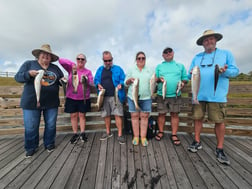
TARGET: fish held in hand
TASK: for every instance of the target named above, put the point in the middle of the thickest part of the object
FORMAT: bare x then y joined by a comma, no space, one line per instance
37,85
179,87
216,77
84,82
75,79
135,90
195,84
116,96
63,82
164,88
153,85
100,99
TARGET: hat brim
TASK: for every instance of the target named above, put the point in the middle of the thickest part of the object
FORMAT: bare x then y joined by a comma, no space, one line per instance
36,53
218,37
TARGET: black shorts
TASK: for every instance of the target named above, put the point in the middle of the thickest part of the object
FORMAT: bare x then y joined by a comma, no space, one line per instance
72,106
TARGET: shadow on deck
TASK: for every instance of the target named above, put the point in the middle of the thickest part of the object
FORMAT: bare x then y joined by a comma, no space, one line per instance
107,164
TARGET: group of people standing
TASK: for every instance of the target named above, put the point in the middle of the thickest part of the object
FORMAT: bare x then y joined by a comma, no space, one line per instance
112,78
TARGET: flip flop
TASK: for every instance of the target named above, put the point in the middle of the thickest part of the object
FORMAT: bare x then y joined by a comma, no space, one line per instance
158,137
175,142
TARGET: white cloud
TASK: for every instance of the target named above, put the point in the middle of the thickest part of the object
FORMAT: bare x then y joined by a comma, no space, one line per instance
123,27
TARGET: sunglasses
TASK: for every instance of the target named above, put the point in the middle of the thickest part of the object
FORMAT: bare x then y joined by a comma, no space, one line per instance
140,58
82,59
208,65
168,50
110,60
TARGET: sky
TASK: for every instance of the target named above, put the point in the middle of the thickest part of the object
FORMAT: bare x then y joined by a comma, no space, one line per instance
123,27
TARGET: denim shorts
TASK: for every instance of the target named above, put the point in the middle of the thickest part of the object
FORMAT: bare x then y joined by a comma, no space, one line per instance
216,111
72,106
145,105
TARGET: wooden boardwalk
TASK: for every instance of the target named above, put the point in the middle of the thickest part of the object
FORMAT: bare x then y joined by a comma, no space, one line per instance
107,164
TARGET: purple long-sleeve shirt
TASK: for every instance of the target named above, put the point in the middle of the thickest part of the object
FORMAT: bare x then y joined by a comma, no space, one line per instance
67,65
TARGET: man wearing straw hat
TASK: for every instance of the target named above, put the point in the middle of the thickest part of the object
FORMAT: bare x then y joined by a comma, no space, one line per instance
213,89
47,102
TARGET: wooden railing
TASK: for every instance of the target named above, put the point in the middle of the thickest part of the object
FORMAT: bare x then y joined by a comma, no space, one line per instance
238,121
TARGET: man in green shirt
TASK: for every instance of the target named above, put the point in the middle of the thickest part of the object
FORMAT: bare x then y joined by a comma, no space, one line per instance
171,73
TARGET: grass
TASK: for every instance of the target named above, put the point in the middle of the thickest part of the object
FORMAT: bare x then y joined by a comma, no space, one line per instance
9,81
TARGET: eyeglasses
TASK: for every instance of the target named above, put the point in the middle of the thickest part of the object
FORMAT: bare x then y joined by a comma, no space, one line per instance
110,60
140,58
168,50
208,65
82,59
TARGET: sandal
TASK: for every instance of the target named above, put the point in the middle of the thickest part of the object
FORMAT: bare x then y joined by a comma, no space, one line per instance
158,137
176,141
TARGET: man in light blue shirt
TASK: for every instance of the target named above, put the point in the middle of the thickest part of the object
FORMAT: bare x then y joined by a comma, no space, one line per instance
212,95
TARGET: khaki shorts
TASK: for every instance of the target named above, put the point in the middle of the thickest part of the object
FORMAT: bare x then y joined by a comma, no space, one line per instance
216,111
171,104
109,107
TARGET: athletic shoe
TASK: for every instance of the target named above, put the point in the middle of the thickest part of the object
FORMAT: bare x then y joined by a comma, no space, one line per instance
135,141
74,138
105,136
195,146
83,137
121,139
221,157
144,141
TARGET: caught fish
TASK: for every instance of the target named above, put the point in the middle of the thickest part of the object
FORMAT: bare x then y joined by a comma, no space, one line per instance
116,96
100,99
37,85
135,90
63,82
216,77
164,87
75,79
195,84
84,81
179,86
153,85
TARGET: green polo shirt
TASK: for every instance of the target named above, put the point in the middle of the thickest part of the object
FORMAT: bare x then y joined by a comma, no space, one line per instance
172,72
144,82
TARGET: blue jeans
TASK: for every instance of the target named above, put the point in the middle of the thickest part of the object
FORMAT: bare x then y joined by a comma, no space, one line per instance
31,124
145,105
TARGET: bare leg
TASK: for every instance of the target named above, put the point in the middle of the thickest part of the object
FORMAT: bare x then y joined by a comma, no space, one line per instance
174,127
82,117
197,129
107,123
144,124
74,121
220,132
161,123
135,123
118,120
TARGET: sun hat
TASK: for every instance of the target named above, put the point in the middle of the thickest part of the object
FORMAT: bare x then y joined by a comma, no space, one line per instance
208,33
45,48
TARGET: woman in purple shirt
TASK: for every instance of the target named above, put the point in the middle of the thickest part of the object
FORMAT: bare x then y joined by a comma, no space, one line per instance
77,103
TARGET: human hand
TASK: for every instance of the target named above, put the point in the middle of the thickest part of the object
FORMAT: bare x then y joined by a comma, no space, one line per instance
119,86
100,87
33,73
222,70
130,80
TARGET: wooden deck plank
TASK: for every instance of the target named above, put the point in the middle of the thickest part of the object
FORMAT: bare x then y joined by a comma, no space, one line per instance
74,180
191,172
201,167
177,167
107,164
228,170
88,180
101,165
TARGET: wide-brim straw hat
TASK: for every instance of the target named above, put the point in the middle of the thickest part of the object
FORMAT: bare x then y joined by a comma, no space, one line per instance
45,48
208,33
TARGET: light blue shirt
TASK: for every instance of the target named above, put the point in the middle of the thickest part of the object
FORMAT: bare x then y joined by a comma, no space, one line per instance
222,58
144,82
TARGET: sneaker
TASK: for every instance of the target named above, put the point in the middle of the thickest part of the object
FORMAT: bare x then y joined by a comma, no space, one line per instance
105,136
121,139
135,141
144,141
29,154
74,139
221,157
83,137
195,146
50,148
